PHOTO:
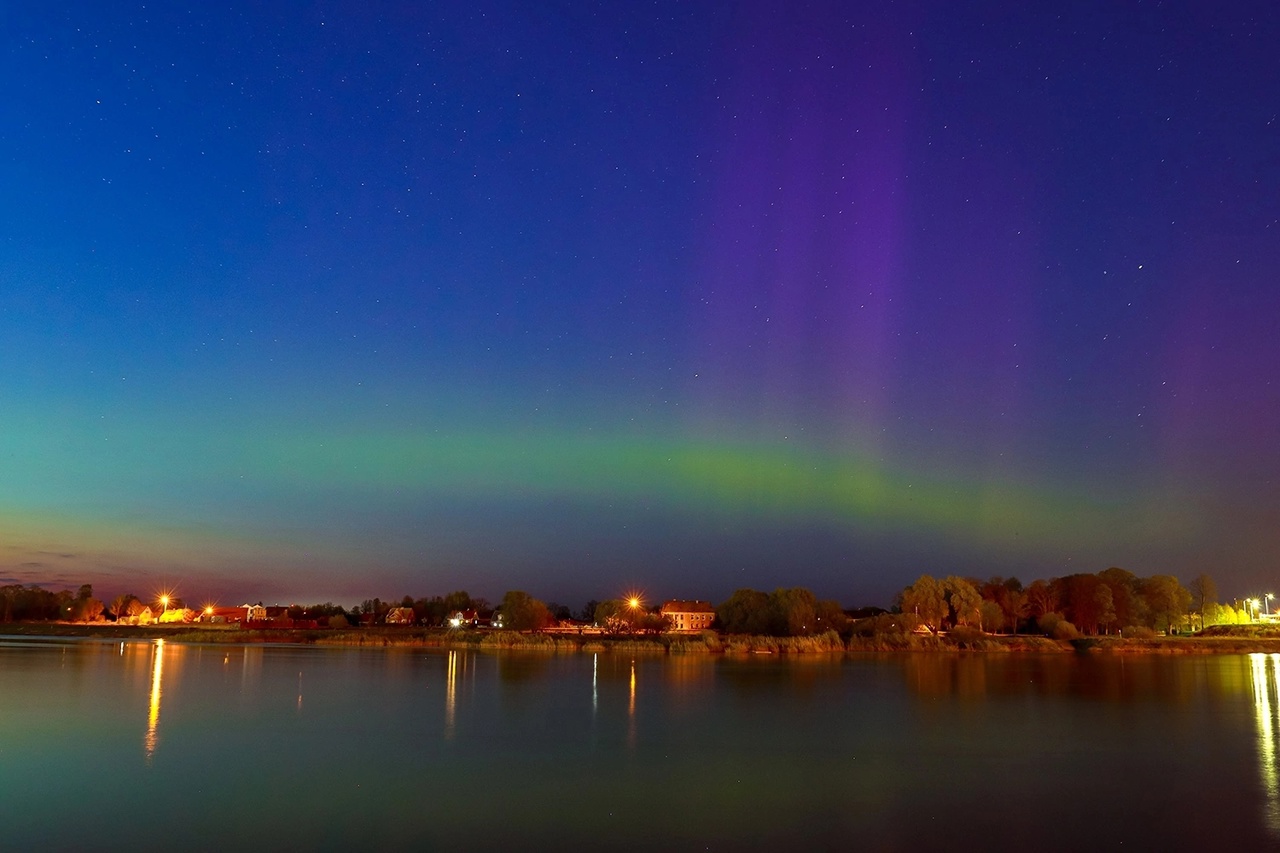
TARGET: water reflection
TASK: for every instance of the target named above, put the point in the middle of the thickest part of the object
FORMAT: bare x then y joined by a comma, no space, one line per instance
152,738
631,710
450,694
1263,669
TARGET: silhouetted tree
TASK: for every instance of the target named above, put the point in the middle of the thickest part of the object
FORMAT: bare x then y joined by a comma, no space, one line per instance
794,612
926,599
746,612
1204,596
523,612
964,600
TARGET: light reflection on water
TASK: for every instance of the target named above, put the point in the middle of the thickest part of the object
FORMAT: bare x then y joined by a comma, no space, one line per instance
152,737
451,695
1263,668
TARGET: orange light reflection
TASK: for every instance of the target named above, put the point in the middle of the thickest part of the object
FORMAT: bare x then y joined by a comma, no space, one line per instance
152,737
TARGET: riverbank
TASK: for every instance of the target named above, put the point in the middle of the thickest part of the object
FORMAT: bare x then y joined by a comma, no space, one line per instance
1240,640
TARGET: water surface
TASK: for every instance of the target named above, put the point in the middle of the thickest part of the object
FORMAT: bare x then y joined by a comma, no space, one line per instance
153,745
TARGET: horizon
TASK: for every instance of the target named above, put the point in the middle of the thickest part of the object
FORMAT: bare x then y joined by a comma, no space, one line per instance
694,298
197,602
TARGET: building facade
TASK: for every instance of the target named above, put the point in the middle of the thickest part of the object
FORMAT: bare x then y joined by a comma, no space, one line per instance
689,616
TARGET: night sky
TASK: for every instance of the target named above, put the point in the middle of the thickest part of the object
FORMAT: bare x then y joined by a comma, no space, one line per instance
308,301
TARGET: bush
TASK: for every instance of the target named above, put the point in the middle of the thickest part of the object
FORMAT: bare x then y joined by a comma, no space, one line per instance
885,623
966,637
1058,628
1138,632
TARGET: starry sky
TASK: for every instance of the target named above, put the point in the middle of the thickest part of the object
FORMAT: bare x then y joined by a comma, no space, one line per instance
308,301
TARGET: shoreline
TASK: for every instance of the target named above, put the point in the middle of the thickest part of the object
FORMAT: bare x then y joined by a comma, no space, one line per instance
705,643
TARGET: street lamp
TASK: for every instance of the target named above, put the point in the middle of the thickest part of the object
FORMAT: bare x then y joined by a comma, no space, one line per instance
1254,603
164,602
1266,603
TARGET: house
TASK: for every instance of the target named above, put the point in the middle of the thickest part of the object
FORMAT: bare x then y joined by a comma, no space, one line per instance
464,619
223,615
689,616
175,614
401,616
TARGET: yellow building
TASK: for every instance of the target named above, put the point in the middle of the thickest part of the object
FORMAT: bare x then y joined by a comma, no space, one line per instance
689,616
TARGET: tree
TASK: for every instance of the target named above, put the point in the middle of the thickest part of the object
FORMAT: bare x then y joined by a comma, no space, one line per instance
1016,608
746,612
119,607
927,601
611,616
652,623
992,616
1080,600
830,616
589,611
1166,600
460,600
966,603
794,612
1129,607
375,606
431,611
86,610
523,612
1204,597
1041,598
1105,607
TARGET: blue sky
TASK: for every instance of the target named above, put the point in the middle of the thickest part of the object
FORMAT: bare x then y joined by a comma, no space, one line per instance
306,301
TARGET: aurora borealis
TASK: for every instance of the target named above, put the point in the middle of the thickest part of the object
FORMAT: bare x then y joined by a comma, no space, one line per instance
313,301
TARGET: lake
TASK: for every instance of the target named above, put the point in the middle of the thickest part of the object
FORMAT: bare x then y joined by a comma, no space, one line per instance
154,745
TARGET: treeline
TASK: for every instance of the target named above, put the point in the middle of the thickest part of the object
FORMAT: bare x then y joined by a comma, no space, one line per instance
520,611
1107,602
794,612
35,604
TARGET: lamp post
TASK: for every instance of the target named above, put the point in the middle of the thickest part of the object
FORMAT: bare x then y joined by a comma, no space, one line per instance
633,604
1266,603
1254,603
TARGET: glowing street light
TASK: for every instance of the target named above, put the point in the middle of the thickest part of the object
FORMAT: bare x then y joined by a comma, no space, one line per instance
1266,603
164,601
1254,603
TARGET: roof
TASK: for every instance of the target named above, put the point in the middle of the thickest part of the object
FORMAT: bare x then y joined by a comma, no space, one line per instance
678,606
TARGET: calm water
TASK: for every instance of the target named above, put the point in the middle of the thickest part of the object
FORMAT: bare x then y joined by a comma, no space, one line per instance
149,745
